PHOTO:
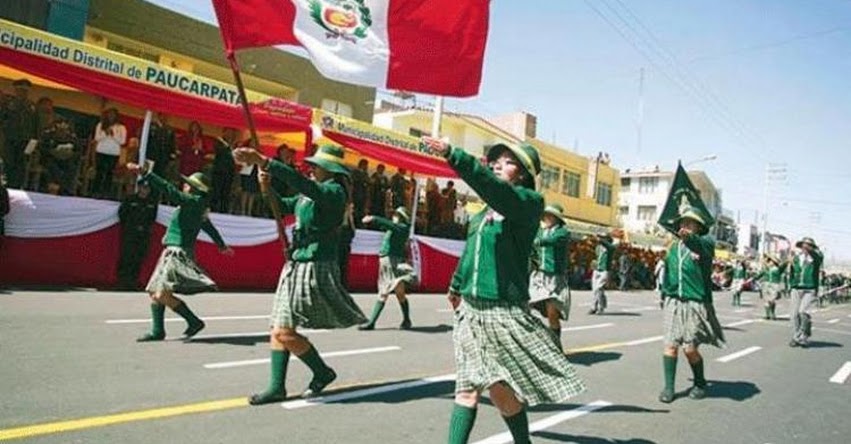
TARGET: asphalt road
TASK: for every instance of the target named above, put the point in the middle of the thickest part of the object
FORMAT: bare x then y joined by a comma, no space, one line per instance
70,372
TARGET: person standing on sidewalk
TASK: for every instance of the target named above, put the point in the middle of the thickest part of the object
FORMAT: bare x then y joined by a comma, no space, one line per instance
804,277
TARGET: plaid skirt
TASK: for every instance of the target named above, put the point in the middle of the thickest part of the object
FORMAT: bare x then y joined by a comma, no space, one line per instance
545,287
177,272
502,342
691,323
391,271
310,295
772,291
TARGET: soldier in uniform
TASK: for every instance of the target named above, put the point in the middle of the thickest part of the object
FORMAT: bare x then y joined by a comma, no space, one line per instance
599,280
689,314
18,116
176,271
61,152
549,292
161,148
395,275
309,294
136,215
500,346
804,273
224,169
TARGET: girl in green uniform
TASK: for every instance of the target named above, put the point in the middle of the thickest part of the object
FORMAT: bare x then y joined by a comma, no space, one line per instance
394,273
309,294
548,289
176,270
773,283
499,345
689,315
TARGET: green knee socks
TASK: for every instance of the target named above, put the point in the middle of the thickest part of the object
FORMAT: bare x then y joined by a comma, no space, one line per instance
406,310
276,391
461,424
158,320
183,310
669,363
697,370
376,312
312,359
518,425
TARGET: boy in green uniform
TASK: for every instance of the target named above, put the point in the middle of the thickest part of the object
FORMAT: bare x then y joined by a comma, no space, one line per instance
804,274
600,278
549,292
740,274
499,345
394,273
773,283
176,270
310,293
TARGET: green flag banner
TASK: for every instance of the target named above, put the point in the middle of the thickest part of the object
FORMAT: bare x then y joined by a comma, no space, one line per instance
683,198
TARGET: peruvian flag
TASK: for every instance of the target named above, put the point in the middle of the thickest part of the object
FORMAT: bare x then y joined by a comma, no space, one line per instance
427,46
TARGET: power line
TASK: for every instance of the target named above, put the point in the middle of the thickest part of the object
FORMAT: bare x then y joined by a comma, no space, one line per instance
769,45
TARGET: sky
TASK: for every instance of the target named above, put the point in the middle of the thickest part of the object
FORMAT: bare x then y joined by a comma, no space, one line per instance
753,82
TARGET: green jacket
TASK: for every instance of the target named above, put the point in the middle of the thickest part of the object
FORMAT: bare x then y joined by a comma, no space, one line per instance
188,219
604,255
688,267
495,261
552,244
395,237
772,275
739,272
319,212
806,270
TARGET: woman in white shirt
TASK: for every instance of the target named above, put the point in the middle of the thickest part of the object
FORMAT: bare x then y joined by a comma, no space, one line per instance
110,136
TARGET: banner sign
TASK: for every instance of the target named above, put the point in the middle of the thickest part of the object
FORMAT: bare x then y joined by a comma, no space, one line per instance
366,132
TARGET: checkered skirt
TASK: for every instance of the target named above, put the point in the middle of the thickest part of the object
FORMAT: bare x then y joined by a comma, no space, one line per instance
691,323
500,342
310,295
545,287
772,291
177,272
391,271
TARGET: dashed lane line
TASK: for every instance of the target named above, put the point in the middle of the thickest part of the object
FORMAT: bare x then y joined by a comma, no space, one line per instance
842,374
739,354
302,403
206,318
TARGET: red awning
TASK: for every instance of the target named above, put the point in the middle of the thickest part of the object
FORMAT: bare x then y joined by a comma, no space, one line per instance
274,119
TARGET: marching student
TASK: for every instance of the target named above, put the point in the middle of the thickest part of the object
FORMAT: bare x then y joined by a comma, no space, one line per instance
176,271
499,345
394,273
600,278
549,292
309,294
773,276
805,270
740,274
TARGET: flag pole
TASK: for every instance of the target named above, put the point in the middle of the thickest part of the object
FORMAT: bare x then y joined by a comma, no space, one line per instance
252,129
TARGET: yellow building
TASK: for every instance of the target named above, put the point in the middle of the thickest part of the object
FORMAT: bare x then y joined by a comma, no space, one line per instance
587,189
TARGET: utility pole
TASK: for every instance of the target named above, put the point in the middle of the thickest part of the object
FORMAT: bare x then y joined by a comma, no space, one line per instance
774,173
640,117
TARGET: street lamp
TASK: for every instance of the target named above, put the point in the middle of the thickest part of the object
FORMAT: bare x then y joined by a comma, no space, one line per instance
702,159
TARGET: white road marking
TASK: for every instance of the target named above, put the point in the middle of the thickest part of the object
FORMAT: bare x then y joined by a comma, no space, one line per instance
301,403
588,327
736,324
739,354
842,374
362,351
833,321
206,318
548,422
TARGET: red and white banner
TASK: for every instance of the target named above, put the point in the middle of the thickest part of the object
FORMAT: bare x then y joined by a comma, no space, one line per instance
427,46
53,240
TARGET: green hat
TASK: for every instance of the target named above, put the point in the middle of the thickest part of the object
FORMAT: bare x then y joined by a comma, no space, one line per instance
690,212
557,211
403,213
329,157
806,240
526,154
198,181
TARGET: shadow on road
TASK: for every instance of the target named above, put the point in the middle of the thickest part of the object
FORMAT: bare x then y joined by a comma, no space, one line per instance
735,390
251,340
443,389
823,344
617,408
589,358
619,313
442,328
582,439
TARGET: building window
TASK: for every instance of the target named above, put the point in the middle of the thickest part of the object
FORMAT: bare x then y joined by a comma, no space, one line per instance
623,211
647,185
570,184
604,194
549,177
647,212
339,108
625,182
416,132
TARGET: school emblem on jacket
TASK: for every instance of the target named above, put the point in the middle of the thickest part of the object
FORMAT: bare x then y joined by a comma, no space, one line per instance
345,19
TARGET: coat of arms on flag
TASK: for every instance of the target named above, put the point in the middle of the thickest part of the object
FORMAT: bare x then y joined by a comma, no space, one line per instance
347,19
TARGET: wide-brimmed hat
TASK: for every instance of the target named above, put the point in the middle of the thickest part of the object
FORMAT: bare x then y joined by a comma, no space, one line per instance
526,154
556,210
772,258
22,83
403,213
198,181
806,240
329,157
695,215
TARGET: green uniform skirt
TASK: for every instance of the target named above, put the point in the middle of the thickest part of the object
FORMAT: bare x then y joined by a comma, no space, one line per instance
691,323
310,295
391,271
545,287
177,272
501,342
773,291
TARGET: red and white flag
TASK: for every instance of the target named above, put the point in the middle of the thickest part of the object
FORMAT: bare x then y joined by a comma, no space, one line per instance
427,46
